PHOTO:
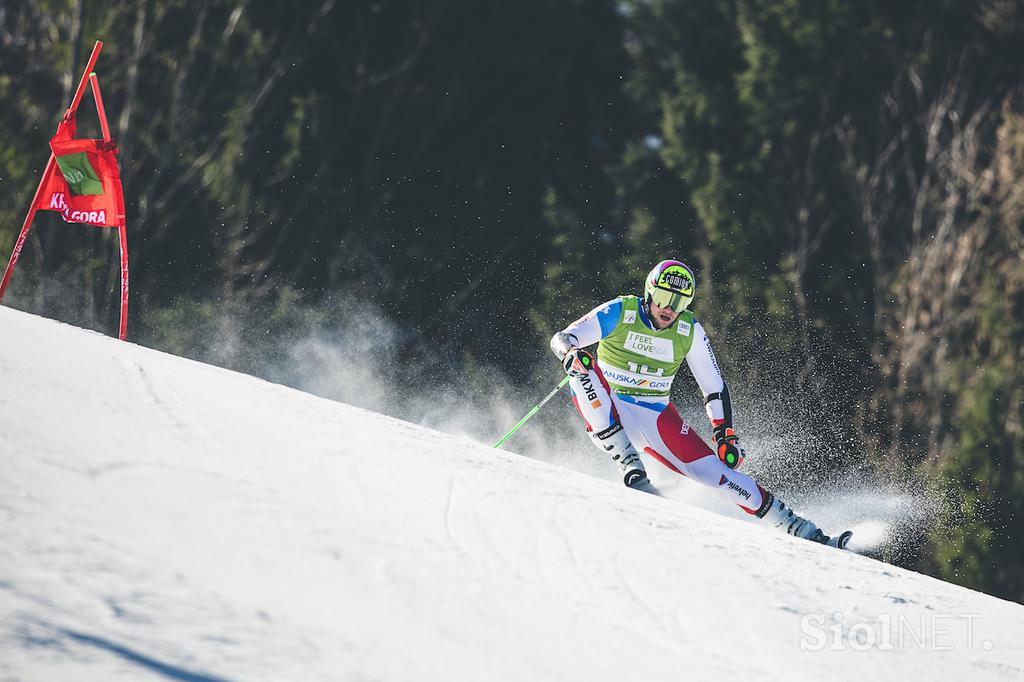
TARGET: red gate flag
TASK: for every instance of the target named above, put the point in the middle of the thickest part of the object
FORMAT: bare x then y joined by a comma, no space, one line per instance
84,186
82,183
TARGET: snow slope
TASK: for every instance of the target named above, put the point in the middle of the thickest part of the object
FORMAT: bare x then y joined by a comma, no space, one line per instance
164,519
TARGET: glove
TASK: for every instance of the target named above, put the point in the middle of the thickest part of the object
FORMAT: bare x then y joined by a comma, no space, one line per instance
727,444
578,363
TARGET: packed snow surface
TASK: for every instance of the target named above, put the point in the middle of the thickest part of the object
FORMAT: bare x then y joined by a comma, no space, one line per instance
165,519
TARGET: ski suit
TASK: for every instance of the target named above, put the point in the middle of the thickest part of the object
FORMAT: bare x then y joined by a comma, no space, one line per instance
631,382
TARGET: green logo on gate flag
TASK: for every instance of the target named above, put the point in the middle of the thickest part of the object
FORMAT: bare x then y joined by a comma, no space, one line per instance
77,170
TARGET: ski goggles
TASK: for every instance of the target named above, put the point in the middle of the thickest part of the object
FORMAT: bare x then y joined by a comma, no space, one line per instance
663,298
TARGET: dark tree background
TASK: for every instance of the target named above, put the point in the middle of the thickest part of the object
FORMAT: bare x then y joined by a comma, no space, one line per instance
845,177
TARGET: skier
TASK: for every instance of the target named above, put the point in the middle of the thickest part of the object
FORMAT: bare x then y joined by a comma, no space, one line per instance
623,394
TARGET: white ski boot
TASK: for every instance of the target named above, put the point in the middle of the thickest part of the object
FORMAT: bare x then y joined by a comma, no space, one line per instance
775,513
614,441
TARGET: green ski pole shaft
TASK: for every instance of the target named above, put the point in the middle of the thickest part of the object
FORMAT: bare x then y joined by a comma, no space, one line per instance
534,411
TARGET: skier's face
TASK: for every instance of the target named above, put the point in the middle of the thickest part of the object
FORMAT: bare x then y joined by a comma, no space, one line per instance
662,317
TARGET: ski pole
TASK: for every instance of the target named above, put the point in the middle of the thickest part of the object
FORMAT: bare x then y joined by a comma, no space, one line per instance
534,411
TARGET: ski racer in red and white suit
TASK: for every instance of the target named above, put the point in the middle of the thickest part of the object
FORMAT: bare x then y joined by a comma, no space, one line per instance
623,394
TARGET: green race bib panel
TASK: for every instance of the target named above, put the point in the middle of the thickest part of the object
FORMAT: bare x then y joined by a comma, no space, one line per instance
637,360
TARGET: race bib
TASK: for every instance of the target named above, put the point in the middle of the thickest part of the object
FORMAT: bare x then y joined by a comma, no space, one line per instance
649,346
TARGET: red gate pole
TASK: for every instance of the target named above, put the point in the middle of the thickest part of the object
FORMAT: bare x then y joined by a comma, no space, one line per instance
95,83
121,227
85,75
123,234
26,226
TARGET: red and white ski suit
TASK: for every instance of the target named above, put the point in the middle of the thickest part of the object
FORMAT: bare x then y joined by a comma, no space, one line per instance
652,423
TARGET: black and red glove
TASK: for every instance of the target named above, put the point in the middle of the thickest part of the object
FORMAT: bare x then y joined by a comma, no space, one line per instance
727,445
578,363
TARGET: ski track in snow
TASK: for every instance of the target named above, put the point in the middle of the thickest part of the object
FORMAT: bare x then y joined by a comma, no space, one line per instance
163,519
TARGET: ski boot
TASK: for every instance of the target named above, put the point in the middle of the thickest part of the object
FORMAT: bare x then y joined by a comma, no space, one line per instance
614,441
633,473
775,513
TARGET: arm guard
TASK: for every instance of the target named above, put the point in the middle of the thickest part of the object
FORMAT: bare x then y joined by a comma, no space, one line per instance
719,407
562,342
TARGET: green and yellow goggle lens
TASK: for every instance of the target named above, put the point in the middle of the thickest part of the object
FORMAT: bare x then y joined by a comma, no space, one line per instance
674,289
670,299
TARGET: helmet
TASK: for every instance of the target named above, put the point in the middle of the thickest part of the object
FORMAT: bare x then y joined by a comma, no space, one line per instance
670,284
